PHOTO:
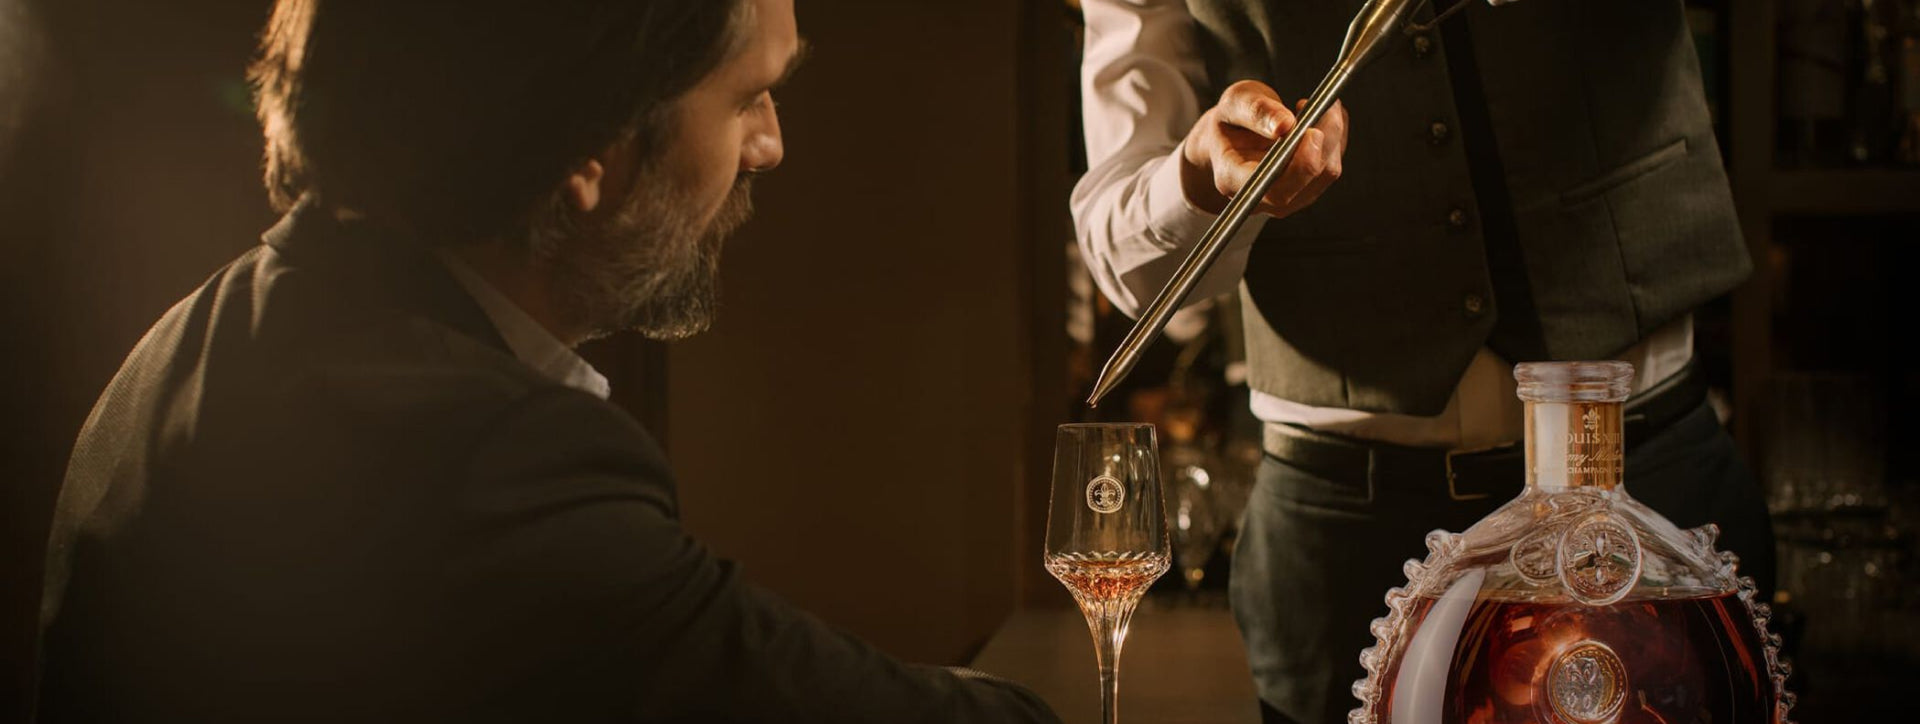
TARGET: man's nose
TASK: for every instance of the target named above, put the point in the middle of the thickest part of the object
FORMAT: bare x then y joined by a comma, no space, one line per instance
763,150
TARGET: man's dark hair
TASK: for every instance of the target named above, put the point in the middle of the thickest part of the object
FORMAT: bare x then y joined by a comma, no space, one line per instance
460,118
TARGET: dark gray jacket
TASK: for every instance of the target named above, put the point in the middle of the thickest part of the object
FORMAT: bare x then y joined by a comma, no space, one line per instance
321,489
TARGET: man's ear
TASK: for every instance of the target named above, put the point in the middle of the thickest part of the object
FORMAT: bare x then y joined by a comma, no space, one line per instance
583,186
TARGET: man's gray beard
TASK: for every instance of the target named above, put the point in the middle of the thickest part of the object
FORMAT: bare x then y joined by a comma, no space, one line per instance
652,268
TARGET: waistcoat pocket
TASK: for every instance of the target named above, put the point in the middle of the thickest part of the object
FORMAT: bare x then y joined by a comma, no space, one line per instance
1624,173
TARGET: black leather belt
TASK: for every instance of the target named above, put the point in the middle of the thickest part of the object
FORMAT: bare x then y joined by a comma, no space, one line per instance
1385,467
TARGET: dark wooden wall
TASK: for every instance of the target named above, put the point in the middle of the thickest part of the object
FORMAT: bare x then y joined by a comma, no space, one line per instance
133,174
860,426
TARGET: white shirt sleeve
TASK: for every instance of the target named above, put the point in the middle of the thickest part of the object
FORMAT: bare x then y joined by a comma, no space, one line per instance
1139,76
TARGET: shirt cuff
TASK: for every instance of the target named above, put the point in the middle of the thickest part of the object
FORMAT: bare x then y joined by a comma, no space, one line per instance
1170,215
1174,222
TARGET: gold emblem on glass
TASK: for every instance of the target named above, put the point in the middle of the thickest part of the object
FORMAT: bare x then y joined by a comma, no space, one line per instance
1105,494
1588,684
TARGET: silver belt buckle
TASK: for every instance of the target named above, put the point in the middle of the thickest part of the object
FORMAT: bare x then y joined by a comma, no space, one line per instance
1452,490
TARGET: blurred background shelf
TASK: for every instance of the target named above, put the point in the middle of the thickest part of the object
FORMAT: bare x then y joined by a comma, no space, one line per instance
1850,191
1818,110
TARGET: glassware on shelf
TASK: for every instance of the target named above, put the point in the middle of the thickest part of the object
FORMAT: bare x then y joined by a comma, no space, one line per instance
1193,498
1573,603
1873,81
1907,50
1826,446
1107,533
1812,77
1239,466
1844,575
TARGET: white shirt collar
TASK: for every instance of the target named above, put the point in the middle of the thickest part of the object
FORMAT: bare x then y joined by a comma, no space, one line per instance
529,341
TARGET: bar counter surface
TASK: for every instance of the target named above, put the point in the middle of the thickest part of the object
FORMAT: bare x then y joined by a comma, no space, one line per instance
1182,664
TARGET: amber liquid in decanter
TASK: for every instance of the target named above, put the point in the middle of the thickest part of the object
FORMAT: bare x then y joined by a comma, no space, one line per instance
1573,603
1688,665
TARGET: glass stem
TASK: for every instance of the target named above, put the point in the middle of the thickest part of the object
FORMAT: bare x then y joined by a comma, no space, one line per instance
1108,622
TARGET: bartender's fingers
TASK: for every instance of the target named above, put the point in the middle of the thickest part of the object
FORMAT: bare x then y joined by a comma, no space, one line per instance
1309,164
1333,130
1255,107
1239,153
1220,152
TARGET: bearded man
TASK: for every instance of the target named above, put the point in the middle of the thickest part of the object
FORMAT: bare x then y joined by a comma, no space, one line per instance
360,474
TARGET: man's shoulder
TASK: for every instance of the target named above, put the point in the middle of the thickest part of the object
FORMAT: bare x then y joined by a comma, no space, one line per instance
418,380
307,351
264,324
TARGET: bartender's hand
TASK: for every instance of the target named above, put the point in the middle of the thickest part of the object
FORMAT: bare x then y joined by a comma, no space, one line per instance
1229,140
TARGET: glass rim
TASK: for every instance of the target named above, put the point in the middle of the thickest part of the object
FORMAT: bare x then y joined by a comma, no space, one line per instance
1100,425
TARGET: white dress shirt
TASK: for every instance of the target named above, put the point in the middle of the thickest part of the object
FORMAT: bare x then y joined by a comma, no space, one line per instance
1139,80
530,342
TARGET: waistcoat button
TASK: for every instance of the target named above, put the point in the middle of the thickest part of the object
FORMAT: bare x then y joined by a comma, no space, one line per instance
1474,304
1439,132
1457,218
1422,46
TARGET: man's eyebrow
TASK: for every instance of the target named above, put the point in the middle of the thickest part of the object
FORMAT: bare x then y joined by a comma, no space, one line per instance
800,53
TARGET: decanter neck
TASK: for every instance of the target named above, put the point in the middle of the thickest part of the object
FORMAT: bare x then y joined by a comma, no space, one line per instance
1574,444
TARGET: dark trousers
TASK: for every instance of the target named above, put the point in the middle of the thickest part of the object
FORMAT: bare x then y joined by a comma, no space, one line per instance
1316,555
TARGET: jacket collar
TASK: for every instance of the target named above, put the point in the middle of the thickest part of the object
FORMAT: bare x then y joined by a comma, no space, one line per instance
382,262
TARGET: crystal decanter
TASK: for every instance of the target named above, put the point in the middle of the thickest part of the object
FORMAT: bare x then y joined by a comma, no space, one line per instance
1573,603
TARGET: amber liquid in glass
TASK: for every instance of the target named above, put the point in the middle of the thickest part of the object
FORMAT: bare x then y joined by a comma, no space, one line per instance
1688,660
1106,579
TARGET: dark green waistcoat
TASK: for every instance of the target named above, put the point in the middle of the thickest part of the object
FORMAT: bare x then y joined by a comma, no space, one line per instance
1378,296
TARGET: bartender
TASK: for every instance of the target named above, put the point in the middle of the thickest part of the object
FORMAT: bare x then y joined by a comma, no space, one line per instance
1538,181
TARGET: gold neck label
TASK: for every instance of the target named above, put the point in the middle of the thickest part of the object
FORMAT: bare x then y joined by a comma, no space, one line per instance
1574,445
